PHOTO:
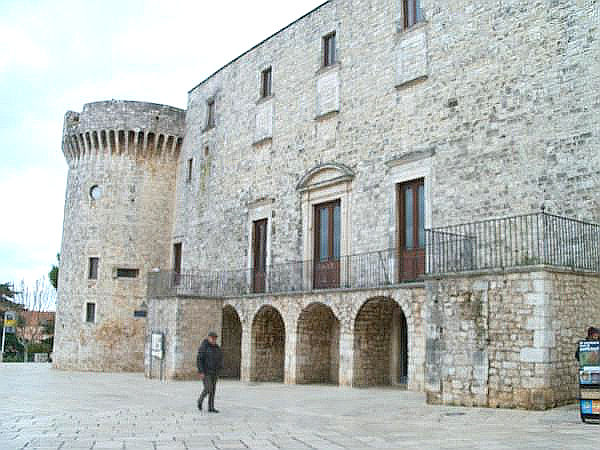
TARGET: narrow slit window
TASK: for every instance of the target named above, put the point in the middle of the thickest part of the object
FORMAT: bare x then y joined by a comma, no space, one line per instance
190,165
210,121
90,312
329,56
127,273
93,268
266,83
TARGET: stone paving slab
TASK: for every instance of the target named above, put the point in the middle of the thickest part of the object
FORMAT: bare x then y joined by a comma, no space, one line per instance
44,408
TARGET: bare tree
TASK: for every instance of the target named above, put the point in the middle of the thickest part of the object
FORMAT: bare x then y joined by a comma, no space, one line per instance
36,300
37,297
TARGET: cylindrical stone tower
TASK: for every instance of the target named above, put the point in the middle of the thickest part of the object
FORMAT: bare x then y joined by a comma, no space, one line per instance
119,204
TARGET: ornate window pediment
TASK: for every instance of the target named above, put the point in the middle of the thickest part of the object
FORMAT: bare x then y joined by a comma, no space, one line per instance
331,184
325,175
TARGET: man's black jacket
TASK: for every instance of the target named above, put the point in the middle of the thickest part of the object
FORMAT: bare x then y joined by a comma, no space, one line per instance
209,359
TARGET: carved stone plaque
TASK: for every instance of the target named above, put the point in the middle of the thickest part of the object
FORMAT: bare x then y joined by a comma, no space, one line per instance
328,93
264,121
412,58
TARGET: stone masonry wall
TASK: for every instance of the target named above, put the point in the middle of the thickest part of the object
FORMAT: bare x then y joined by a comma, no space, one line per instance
231,338
317,351
185,323
507,340
373,335
126,226
574,306
268,346
502,100
162,318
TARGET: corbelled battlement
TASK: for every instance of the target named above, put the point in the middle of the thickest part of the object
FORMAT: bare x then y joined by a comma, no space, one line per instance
116,127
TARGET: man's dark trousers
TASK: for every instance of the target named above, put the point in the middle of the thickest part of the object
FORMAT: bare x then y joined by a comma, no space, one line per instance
210,385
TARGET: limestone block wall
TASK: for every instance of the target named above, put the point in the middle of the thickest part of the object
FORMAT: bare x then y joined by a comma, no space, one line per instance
493,102
574,303
185,323
268,346
118,209
375,339
161,318
507,340
317,349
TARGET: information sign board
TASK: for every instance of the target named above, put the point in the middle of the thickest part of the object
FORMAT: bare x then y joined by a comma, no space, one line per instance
157,345
10,322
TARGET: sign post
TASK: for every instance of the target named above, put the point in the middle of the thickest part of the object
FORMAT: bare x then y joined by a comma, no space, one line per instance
10,323
157,351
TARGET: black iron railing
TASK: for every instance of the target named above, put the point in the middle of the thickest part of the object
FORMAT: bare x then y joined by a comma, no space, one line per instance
531,239
366,270
525,240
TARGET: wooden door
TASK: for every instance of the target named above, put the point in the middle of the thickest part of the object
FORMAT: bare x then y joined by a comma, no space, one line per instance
259,249
411,230
327,246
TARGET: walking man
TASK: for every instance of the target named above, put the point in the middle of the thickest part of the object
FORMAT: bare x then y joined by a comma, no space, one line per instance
209,362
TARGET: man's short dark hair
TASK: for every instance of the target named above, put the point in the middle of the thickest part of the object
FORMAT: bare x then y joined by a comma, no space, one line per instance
212,334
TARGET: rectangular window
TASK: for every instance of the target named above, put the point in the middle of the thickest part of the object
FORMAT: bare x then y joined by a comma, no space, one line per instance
177,258
93,269
266,83
177,263
90,312
127,273
190,165
329,56
410,12
210,119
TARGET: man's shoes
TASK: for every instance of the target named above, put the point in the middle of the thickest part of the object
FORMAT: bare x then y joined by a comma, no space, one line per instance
213,410
199,405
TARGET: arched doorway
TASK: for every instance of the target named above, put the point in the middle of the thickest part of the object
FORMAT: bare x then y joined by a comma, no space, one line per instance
268,346
318,345
231,340
380,344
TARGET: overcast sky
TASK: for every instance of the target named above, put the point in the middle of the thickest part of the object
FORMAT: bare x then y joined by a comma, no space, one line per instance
56,55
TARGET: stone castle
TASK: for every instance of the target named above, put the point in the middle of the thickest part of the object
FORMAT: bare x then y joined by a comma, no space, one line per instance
392,192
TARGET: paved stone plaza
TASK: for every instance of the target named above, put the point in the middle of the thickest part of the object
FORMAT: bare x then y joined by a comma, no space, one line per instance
43,408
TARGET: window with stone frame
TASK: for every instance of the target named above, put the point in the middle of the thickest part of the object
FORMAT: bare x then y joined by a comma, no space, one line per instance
93,268
329,51
266,83
190,165
210,113
127,273
90,312
411,13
